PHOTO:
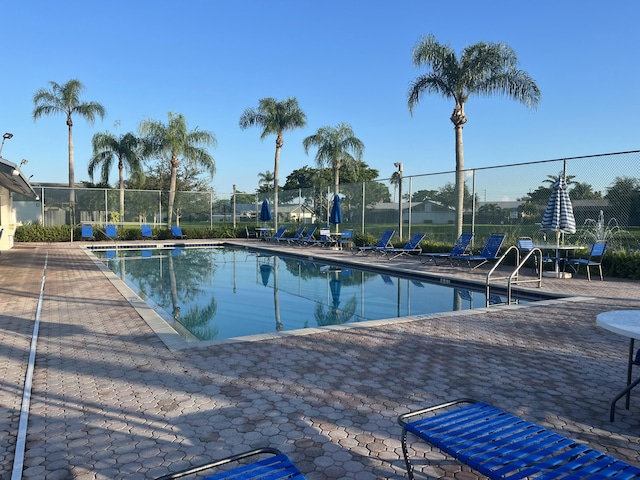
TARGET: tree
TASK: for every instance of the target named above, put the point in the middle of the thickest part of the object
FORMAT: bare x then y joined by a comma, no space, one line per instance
395,180
265,180
107,147
172,141
334,147
482,69
275,118
65,99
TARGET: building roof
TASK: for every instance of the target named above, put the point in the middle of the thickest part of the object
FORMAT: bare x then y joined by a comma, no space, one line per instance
13,180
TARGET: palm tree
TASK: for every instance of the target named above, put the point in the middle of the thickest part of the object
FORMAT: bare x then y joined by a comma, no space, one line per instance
172,141
275,118
266,179
482,69
125,148
395,180
334,147
65,99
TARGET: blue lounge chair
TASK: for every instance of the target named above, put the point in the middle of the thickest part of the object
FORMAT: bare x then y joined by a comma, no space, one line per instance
275,466
412,247
111,231
594,259
296,236
87,232
176,232
460,248
501,445
147,233
325,240
489,252
276,235
383,242
308,238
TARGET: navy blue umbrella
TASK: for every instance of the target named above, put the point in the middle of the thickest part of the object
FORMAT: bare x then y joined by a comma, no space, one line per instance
265,213
336,212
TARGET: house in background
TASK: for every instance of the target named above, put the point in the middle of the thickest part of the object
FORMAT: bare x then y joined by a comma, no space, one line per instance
11,181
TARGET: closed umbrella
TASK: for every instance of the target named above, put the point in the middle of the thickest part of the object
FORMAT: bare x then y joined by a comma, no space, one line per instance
336,212
265,212
558,216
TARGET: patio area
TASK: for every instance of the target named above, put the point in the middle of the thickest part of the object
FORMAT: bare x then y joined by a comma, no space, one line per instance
110,400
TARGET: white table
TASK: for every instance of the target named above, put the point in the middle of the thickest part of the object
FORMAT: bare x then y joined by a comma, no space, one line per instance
263,231
625,323
557,249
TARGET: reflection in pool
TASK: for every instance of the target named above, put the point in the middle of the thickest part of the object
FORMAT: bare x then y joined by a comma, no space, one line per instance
221,293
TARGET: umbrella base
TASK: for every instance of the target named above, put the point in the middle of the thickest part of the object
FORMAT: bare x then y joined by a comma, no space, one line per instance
556,274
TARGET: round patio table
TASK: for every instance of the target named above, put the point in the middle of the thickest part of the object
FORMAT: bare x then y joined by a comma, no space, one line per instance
626,323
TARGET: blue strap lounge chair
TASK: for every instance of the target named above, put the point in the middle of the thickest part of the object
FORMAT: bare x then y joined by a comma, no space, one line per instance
273,465
176,232
383,242
594,259
276,235
489,252
501,445
325,240
111,231
460,248
147,233
412,247
296,236
87,232
309,238
346,239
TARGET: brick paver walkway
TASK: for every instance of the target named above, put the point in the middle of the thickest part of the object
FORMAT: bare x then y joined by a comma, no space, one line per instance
110,400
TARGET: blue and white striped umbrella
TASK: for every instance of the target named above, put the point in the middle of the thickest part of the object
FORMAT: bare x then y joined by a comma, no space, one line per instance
558,217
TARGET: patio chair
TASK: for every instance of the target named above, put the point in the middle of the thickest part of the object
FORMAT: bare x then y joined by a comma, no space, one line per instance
594,259
412,247
112,232
176,232
383,242
325,240
87,232
458,249
250,234
296,236
274,466
346,239
489,252
276,235
308,238
147,233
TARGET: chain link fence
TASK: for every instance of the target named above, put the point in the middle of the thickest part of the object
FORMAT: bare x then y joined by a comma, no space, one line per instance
510,199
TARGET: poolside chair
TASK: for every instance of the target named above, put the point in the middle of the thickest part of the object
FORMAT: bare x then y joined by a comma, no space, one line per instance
594,259
276,235
296,236
273,465
383,242
346,239
459,248
87,232
308,238
489,252
412,247
147,233
176,232
112,232
525,245
325,240
250,234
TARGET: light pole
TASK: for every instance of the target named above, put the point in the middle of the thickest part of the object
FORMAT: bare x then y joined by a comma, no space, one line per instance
4,137
398,165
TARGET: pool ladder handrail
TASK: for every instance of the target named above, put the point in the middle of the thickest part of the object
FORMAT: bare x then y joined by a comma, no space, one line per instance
512,278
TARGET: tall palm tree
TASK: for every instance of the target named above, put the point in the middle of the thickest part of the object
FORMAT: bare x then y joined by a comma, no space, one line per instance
395,180
65,99
275,118
334,147
173,141
125,148
483,69
266,178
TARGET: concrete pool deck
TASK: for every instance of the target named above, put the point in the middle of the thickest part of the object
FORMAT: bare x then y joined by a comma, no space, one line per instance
110,400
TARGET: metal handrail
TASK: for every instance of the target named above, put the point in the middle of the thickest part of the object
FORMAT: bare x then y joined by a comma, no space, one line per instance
512,278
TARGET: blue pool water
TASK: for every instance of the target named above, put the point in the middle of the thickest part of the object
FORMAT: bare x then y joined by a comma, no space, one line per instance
222,293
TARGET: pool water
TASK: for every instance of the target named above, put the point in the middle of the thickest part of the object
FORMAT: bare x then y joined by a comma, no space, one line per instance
222,293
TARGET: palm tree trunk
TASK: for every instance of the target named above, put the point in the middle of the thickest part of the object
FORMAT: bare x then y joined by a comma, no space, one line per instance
72,209
172,189
276,168
121,183
458,118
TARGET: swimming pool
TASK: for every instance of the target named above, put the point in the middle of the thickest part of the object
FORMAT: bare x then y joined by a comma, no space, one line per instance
221,293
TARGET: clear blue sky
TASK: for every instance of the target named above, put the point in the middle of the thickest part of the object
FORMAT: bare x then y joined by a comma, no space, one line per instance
345,61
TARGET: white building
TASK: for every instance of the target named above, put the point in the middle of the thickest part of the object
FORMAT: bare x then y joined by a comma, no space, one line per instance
11,181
